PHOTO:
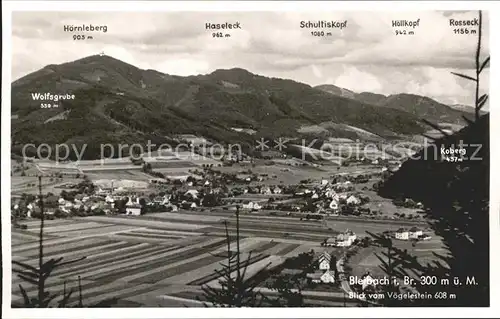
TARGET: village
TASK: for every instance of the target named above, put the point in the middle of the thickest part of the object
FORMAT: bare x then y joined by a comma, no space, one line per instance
300,219
314,222
210,190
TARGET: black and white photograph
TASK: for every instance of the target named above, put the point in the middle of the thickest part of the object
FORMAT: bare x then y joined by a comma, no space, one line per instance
226,159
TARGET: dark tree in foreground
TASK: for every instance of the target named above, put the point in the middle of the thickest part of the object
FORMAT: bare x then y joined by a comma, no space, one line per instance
456,197
236,289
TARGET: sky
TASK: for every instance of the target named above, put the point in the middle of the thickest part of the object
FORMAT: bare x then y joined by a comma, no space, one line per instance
366,55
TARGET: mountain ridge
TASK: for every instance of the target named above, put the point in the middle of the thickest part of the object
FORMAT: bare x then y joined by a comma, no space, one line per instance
421,106
117,101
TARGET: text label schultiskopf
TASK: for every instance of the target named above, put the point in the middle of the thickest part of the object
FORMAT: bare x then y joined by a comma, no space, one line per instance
323,24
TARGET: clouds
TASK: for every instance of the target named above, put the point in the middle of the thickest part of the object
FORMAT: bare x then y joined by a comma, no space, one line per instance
354,77
367,55
184,66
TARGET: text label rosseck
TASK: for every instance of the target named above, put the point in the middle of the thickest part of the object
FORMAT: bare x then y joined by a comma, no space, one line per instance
464,23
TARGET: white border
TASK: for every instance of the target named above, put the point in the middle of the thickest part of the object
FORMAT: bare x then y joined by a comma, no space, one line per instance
9,6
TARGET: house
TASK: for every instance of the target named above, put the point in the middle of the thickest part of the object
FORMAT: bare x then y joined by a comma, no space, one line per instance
324,261
251,206
109,199
328,277
351,235
193,193
330,242
353,200
131,208
244,177
334,204
345,239
193,139
67,205
32,208
277,190
61,201
342,241
266,190
325,277
324,182
315,196
330,193
415,233
166,199
402,234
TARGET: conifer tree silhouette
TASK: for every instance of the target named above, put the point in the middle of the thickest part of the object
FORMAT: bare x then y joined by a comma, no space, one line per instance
456,197
237,290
